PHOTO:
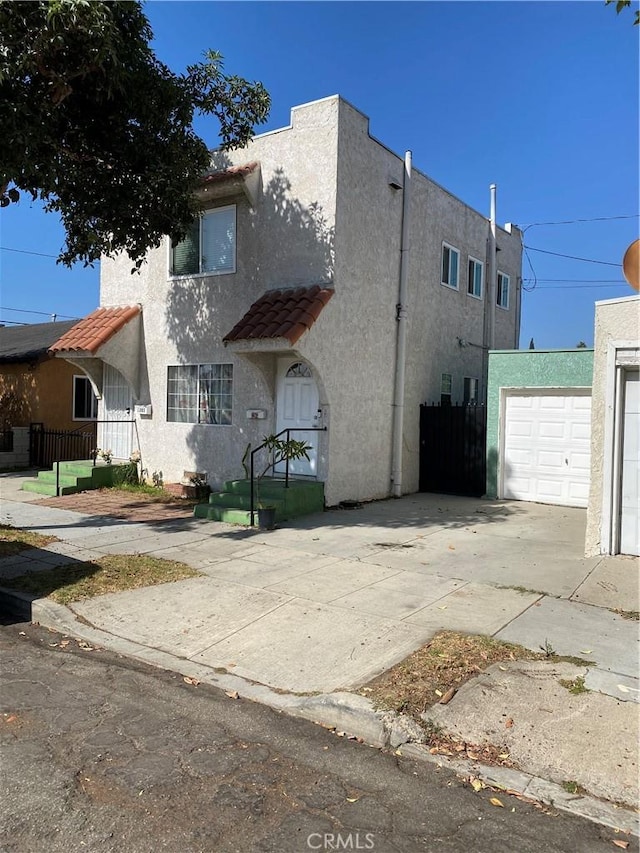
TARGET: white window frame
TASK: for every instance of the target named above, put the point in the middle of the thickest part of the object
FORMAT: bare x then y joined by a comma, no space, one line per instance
446,380
73,403
471,284
206,273
197,394
503,275
472,398
450,249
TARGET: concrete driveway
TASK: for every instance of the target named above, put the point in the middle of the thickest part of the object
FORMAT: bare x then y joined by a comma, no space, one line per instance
336,598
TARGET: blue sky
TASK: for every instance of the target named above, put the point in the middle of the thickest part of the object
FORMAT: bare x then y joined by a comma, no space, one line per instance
539,97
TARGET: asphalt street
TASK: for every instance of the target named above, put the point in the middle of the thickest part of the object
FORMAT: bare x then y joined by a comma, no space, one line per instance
100,753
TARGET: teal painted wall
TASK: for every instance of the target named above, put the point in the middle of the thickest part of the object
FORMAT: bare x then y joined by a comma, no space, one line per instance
528,369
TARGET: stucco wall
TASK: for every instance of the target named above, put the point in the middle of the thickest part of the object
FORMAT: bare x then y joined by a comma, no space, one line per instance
615,320
326,214
528,369
46,392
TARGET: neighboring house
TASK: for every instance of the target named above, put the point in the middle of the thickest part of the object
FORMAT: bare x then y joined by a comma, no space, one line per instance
614,500
282,308
539,425
37,388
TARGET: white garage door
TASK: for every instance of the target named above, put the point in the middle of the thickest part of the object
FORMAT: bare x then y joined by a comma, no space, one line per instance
630,492
546,456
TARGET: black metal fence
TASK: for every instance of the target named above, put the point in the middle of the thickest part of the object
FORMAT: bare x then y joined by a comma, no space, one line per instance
6,440
452,449
47,446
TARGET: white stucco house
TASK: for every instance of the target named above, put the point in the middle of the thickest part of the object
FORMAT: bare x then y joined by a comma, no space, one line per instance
327,284
613,514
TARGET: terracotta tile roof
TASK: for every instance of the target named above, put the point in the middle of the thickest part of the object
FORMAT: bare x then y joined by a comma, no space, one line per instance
282,314
230,174
95,330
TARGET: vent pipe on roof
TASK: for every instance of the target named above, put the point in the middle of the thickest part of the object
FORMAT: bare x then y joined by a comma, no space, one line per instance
492,277
401,339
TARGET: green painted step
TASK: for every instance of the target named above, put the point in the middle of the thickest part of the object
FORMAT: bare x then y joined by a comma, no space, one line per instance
41,488
220,513
65,479
233,504
227,499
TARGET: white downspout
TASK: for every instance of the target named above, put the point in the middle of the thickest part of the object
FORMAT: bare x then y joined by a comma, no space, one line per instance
401,340
492,278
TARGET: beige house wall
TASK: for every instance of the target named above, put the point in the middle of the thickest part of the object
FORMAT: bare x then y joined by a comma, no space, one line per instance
616,320
40,392
325,214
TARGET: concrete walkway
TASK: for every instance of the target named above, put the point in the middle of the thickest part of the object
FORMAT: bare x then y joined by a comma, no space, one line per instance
327,603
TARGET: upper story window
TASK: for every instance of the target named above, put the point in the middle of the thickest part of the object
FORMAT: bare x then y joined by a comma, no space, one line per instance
209,247
502,295
450,265
475,281
85,403
200,393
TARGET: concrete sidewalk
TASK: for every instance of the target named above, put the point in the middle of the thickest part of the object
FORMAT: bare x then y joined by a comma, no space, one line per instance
327,603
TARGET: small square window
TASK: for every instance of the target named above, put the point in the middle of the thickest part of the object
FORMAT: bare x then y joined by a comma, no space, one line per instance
502,295
450,265
85,403
210,245
475,280
470,390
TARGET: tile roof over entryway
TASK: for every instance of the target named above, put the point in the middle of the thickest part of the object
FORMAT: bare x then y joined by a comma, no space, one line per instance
93,331
282,314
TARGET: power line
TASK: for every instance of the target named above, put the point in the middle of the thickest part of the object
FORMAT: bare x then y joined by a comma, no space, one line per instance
569,286
574,221
42,313
572,257
27,252
582,280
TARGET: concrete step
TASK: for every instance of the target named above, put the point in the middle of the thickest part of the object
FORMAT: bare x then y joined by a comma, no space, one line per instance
232,501
65,479
41,488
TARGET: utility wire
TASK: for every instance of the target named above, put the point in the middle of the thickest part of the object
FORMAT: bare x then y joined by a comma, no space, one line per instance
573,221
43,313
27,252
572,257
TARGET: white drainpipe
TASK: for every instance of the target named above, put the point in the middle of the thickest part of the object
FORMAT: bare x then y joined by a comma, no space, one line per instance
492,278
401,340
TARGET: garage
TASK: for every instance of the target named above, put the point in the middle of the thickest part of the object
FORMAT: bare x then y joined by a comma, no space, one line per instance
546,447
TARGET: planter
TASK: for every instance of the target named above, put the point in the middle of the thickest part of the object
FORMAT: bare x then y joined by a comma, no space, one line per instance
267,517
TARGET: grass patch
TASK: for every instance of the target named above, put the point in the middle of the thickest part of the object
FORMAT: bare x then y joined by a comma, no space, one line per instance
447,661
572,787
523,590
112,573
575,686
13,540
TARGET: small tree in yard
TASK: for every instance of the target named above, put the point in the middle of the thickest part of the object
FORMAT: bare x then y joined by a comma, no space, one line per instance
100,130
280,450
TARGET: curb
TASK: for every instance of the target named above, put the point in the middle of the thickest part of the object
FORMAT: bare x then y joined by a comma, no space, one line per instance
349,714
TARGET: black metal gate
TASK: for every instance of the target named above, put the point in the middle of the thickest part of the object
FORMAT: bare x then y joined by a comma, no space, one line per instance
47,446
452,449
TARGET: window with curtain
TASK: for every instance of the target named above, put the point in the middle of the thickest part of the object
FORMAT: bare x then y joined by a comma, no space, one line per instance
200,394
474,286
210,245
502,296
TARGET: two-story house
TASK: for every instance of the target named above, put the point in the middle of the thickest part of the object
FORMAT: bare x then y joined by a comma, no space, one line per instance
327,284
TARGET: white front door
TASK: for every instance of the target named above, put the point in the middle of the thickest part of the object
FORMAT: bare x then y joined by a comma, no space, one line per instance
630,465
297,409
118,406
547,447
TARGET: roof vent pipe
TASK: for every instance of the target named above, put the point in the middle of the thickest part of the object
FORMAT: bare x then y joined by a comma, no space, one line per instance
401,339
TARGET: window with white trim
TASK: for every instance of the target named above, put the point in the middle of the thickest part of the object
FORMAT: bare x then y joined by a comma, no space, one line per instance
210,245
450,265
476,276
85,403
502,295
470,390
200,393
446,386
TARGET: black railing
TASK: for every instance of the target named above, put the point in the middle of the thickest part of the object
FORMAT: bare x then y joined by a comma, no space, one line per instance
286,432
47,446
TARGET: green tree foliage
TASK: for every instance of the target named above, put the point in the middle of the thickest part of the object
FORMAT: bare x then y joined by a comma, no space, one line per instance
95,126
623,4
